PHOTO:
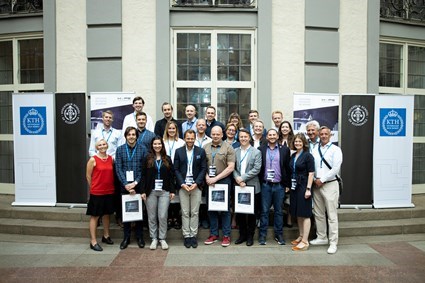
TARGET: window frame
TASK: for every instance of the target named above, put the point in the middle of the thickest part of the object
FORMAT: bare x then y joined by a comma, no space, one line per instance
214,84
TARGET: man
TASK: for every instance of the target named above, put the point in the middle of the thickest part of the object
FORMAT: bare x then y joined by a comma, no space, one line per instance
211,121
327,160
145,136
190,166
130,119
201,138
253,116
190,123
106,132
312,128
275,178
221,163
167,111
277,118
128,166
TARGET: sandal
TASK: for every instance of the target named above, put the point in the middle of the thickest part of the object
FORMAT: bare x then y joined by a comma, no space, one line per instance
296,241
303,248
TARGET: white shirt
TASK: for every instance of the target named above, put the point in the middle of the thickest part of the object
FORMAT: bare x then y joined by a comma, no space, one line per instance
172,145
333,156
130,120
111,136
245,159
190,157
202,141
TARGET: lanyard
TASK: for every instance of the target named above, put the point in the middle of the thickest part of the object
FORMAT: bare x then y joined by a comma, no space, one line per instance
158,167
246,153
171,148
140,140
128,153
322,156
270,155
214,152
190,124
110,133
295,162
189,162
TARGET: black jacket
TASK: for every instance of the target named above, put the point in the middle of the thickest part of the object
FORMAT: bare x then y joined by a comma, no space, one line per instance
150,174
199,165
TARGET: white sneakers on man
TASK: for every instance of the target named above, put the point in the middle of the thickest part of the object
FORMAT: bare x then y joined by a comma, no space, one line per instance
319,242
154,244
164,244
332,249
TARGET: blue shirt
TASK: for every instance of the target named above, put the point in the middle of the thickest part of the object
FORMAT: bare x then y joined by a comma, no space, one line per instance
273,162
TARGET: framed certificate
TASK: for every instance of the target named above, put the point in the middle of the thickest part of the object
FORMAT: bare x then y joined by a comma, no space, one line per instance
218,199
244,199
132,209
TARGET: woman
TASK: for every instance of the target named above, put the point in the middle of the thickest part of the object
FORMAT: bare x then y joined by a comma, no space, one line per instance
231,131
235,119
100,177
157,191
258,136
247,167
173,142
286,134
302,165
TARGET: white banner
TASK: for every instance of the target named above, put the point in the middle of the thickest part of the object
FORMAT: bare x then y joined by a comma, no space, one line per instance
393,151
34,149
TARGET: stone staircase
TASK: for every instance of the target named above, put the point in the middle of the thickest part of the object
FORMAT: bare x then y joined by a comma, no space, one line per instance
72,222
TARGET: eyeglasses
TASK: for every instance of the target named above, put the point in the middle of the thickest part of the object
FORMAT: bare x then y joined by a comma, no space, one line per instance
231,131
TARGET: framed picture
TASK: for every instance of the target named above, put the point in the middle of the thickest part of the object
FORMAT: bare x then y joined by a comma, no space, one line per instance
132,209
218,199
244,199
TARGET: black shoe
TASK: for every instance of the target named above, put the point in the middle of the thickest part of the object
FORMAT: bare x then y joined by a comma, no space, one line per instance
107,240
249,242
170,224
187,242
279,239
141,243
289,225
240,241
124,244
177,225
96,247
194,242
262,241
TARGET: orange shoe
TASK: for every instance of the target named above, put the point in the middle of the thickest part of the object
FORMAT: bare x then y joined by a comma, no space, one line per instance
296,241
304,247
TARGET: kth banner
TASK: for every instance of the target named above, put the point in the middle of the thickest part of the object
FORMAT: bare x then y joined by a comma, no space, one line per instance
71,148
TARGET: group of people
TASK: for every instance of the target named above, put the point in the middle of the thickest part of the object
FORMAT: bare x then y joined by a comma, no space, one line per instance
188,159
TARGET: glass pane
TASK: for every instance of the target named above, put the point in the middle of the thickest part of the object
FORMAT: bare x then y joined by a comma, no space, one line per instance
6,164
31,61
419,116
6,126
231,100
233,52
416,67
198,97
390,65
6,62
418,174
193,56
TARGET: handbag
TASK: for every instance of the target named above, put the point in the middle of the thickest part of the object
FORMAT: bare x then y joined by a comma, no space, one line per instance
338,178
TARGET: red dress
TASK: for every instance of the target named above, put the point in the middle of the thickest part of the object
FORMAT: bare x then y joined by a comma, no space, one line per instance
102,177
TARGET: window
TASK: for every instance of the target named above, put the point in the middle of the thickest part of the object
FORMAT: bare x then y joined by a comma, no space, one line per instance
214,68
21,70
214,3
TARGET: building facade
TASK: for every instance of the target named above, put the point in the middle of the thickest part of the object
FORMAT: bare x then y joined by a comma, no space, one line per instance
234,54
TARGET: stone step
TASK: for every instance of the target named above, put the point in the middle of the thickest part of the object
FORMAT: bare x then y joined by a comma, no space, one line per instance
80,229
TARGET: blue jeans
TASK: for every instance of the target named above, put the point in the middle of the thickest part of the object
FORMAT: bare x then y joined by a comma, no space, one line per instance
225,215
271,194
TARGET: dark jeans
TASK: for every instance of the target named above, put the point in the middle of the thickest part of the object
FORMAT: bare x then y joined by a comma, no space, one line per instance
272,194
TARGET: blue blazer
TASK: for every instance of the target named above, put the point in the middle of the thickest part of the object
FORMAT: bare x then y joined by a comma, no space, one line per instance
199,165
285,157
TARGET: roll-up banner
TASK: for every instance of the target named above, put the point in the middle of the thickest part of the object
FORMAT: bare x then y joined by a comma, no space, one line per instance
34,149
393,151
71,149
357,122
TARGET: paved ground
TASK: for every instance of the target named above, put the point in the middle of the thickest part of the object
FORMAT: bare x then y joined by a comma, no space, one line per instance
359,259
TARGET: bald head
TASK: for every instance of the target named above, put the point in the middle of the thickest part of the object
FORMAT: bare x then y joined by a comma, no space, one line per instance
216,135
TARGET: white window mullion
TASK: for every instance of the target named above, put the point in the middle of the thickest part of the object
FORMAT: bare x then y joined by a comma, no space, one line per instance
16,80
214,68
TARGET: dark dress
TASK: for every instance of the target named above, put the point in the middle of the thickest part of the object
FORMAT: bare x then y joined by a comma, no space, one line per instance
300,206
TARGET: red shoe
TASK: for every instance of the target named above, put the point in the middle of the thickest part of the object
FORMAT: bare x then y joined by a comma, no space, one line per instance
211,239
226,241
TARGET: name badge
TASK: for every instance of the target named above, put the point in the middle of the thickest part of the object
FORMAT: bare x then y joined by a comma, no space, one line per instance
158,184
129,176
189,180
294,184
212,170
270,174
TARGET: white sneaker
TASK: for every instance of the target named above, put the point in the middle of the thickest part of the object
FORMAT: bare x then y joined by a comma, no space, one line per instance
332,249
164,244
319,242
154,244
